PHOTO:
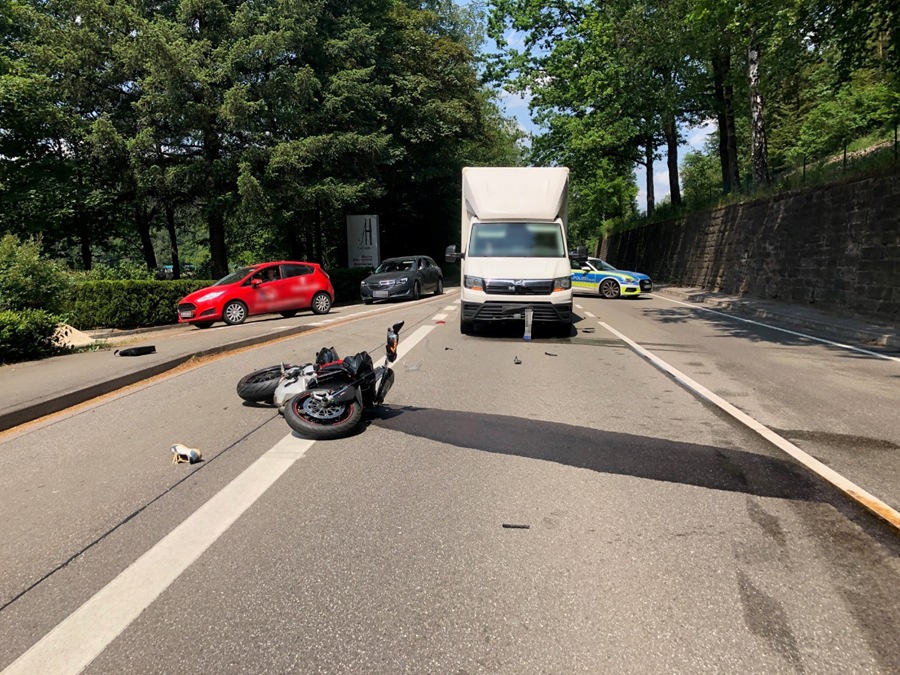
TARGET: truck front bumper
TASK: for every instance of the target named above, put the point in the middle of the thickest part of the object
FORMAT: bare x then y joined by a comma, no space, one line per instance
510,310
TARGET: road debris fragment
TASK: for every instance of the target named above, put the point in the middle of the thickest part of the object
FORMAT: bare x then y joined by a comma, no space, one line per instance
517,360
182,453
516,526
136,351
550,354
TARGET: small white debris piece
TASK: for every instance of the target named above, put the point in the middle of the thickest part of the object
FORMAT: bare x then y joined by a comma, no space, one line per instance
182,453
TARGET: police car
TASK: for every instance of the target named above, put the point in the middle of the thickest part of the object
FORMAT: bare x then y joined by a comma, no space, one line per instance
588,278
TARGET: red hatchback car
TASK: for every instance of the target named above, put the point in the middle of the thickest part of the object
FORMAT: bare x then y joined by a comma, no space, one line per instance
283,287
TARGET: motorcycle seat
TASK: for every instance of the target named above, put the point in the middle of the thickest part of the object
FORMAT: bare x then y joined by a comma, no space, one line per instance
358,363
350,365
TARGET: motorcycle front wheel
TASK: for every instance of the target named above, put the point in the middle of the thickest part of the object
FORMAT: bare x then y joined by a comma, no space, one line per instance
260,385
313,418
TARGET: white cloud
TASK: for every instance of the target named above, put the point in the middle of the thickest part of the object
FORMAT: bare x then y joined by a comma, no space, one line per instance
515,39
698,135
512,101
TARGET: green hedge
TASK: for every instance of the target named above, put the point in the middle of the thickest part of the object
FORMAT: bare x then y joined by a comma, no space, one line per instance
128,304
346,283
28,334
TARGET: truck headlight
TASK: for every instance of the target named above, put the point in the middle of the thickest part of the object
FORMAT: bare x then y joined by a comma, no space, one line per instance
562,284
475,283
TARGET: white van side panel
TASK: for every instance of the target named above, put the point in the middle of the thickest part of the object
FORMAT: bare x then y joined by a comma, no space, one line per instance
515,194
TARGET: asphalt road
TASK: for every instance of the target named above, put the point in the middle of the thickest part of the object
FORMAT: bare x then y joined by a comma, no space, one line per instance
662,536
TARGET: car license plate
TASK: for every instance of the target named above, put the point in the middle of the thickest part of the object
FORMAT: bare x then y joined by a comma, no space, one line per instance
186,314
380,294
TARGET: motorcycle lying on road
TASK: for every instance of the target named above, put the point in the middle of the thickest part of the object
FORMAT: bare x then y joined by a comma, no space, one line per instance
325,399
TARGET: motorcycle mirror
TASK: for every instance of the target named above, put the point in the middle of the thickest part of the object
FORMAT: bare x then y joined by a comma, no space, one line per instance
390,347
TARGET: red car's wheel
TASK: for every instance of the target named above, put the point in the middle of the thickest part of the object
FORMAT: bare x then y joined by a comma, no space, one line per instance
321,303
234,312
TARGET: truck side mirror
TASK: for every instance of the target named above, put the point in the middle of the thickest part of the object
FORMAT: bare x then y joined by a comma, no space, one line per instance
450,255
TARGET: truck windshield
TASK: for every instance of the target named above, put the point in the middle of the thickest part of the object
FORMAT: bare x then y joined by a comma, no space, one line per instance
516,240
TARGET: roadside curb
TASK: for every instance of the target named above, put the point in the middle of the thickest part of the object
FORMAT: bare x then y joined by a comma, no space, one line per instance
835,326
15,417
101,334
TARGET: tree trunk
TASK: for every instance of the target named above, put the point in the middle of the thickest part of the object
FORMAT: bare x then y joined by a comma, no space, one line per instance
218,256
723,93
84,237
759,152
142,220
733,170
307,241
320,244
82,227
215,216
293,239
173,240
672,161
651,195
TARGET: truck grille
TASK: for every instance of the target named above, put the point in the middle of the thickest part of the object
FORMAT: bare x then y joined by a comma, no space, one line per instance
494,311
518,286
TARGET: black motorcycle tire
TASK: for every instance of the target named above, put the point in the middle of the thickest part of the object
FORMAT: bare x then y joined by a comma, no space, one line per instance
260,385
341,421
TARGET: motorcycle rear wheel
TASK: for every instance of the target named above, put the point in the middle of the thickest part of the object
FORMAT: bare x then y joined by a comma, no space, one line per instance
313,419
260,385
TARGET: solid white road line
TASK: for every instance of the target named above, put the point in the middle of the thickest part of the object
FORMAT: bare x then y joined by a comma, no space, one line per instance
78,639
851,489
75,642
783,330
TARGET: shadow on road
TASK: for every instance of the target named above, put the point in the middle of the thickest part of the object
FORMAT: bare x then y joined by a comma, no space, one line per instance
607,452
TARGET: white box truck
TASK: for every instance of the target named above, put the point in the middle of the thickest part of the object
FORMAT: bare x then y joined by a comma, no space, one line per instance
514,254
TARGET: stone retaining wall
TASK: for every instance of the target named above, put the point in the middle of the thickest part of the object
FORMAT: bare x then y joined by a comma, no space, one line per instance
836,246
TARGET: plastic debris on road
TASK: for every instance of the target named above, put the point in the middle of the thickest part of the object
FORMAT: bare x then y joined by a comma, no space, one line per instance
135,351
182,453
